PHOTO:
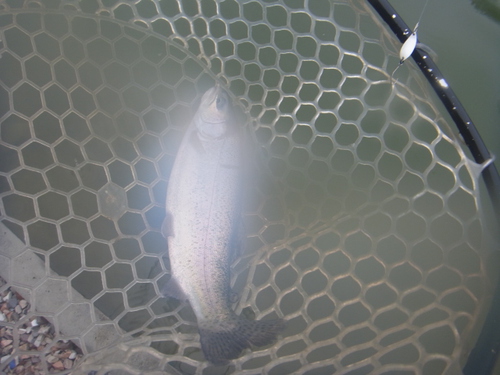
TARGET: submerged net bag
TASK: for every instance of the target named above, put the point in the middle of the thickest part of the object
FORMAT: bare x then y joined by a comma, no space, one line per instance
364,229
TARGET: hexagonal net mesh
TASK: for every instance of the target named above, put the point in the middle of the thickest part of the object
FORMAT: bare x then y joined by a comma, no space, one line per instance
364,229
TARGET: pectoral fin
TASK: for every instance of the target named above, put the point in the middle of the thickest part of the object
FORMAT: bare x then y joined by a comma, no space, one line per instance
167,228
195,141
236,244
173,289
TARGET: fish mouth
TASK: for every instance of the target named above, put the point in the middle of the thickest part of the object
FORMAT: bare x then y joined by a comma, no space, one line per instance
218,99
210,96
214,107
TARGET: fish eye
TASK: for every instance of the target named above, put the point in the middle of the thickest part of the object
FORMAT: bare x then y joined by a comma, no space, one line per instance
220,102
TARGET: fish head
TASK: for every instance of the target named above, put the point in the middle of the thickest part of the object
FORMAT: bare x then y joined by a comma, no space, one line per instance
213,113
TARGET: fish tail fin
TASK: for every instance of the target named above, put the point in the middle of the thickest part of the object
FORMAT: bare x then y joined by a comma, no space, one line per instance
225,340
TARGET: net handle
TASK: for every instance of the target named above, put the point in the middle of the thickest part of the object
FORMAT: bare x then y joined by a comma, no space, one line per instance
482,359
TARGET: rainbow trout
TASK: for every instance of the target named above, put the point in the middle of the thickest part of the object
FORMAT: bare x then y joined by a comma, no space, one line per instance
203,199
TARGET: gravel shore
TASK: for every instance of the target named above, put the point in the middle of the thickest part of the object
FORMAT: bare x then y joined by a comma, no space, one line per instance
27,344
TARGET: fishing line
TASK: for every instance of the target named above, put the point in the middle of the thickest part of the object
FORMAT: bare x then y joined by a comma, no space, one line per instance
409,45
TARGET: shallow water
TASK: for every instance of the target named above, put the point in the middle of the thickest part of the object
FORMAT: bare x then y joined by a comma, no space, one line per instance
466,44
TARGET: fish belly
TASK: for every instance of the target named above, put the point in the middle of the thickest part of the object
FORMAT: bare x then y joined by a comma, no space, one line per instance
202,202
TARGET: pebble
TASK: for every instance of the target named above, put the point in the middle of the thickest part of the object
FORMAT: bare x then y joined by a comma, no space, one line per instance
12,302
14,363
39,340
7,334
68,364
63,345
7,296
44,329
36,335
52,359
58,366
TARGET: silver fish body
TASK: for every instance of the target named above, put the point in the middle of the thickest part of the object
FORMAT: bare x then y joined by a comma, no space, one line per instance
203,199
